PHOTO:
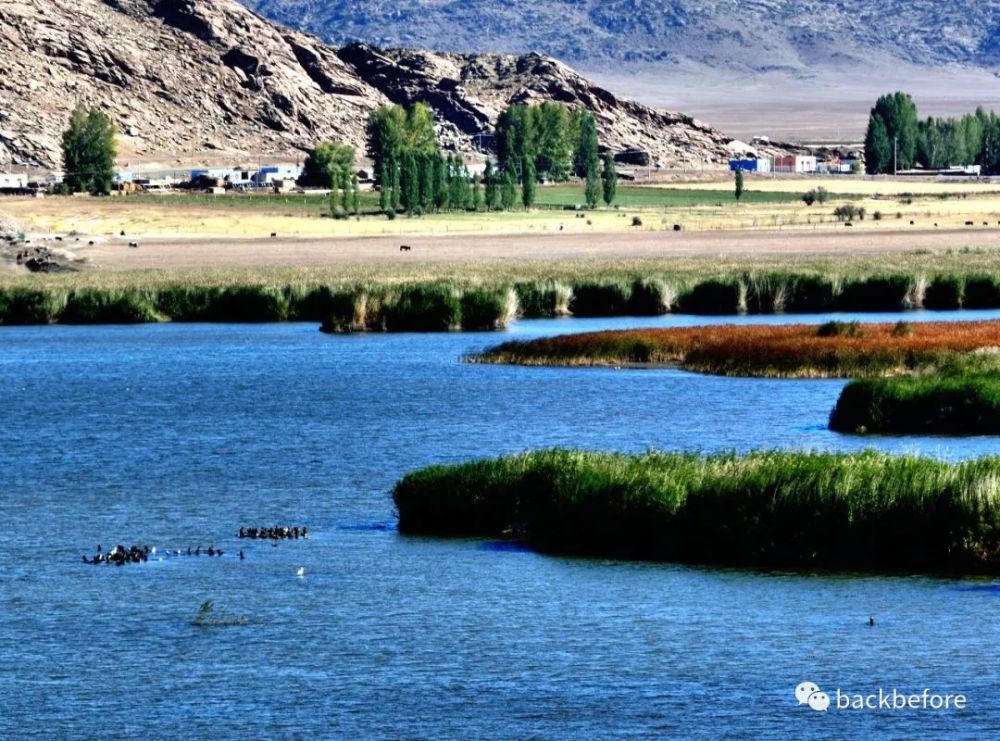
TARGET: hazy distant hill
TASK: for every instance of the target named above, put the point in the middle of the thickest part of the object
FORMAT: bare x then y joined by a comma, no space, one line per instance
748,35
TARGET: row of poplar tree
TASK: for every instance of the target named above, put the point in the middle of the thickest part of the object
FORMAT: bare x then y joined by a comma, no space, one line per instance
898,139
541,143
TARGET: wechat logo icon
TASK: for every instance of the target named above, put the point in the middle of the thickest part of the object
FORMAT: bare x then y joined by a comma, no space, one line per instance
809,693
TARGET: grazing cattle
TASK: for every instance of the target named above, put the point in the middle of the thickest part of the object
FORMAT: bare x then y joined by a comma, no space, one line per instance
970,223
848,224
122,233
274,234
59,239
935,225
911,223
134,245
404,248
90,243
561,227
677,227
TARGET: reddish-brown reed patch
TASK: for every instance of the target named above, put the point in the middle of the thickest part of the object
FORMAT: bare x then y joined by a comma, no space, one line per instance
777,350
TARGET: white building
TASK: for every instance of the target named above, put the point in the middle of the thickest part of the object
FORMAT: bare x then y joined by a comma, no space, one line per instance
13,180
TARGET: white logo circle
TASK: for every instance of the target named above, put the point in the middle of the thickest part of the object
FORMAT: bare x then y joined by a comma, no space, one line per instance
803,691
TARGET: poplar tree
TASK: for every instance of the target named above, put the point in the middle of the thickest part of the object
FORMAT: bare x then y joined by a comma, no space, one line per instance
88,152
610,176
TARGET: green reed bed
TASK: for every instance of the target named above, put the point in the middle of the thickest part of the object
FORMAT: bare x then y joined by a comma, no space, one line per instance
960,395
866,511
489,296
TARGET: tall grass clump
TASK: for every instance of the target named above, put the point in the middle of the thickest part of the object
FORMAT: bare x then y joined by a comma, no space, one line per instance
248,304
811,294
107,307
601,299
21,306
485,309
886,293
982,292
713,297
963,405
651,297
186,303
945,292
543,299
425,308
869,511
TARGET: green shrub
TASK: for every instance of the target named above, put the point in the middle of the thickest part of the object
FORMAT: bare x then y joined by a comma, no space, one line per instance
840,329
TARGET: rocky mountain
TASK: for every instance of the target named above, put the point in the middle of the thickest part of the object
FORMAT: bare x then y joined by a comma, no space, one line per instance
744,35
197,80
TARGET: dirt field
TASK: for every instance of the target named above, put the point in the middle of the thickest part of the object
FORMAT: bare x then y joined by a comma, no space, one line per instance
251,253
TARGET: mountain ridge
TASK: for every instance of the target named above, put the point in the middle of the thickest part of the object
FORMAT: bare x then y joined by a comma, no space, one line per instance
211,79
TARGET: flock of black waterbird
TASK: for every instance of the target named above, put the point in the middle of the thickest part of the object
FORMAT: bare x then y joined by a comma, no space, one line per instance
119,555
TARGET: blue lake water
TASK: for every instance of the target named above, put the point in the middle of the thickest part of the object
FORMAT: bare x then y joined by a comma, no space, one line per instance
177,435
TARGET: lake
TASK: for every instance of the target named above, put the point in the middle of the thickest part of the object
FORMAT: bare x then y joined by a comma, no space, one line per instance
178,435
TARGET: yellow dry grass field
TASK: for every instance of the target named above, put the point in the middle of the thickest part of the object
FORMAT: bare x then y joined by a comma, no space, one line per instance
178,218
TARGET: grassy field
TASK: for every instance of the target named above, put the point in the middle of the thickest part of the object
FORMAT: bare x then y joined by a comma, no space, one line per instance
867,511
830,350
767,204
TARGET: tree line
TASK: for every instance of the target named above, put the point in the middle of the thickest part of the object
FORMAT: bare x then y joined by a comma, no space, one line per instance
896,138
538,143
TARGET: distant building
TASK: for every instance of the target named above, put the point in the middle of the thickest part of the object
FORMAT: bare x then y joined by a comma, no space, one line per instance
750,164
795,163
13,181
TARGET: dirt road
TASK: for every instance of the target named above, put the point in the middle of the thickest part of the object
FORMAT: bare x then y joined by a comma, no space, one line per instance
116,254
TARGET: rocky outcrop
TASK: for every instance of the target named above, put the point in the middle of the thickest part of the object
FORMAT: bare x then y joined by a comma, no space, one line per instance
202,80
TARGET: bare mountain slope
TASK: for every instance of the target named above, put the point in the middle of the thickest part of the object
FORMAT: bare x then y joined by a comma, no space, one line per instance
203,79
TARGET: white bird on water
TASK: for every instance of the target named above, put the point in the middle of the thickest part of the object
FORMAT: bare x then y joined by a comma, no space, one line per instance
301,571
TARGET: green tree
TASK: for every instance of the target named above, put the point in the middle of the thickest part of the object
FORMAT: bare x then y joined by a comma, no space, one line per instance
508,193
396,196
440,182
89,150
385,183
410,180
610,177
528,177
326,164
591,190
355,194
898,113
878,148
492,192
739,184
477,195
586,156
345,191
